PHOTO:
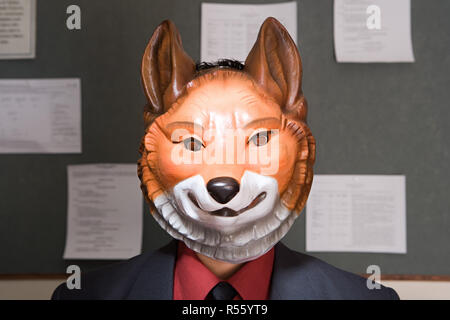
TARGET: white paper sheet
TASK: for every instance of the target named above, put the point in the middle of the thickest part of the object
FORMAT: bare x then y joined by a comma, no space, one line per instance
355,42
356,213
17,29
105,211
230,30
40,116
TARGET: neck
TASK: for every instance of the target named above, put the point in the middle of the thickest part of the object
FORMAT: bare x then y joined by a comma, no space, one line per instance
223,270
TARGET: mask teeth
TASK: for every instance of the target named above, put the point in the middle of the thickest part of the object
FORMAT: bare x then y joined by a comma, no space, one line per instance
167,210
175,221
235,248
198,234
212,238
160,201
281,213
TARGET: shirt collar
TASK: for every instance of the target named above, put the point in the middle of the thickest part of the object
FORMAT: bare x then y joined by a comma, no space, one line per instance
193,280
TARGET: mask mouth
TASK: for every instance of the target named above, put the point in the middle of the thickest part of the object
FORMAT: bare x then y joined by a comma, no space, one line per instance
238,231
256,199
228,212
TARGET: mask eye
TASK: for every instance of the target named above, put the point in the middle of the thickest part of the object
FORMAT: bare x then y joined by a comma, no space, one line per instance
192,144
261,138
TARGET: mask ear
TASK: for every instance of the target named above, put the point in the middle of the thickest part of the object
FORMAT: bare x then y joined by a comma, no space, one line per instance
166,67
274,63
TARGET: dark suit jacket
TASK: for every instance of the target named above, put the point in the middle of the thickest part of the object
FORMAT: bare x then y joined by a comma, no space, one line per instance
150,276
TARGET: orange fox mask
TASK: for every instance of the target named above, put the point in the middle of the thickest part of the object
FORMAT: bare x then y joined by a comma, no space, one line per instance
227,156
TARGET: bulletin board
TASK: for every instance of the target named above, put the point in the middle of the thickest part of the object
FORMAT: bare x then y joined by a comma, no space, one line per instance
366,118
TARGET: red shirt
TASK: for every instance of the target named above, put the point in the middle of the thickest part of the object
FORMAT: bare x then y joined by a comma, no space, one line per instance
193,280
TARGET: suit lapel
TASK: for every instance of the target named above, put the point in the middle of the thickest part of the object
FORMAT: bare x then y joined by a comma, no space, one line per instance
155,280
290,279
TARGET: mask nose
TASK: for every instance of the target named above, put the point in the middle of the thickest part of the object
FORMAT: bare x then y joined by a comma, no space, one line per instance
222,189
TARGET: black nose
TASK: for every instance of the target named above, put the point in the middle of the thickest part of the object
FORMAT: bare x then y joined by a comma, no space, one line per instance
222,189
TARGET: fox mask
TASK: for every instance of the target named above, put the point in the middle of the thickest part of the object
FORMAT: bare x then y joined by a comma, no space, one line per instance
227,156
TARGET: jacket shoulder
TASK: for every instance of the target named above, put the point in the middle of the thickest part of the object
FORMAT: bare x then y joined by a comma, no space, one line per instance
325,281
112,282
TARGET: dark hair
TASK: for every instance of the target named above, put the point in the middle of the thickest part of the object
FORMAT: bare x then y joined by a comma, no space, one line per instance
222,63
